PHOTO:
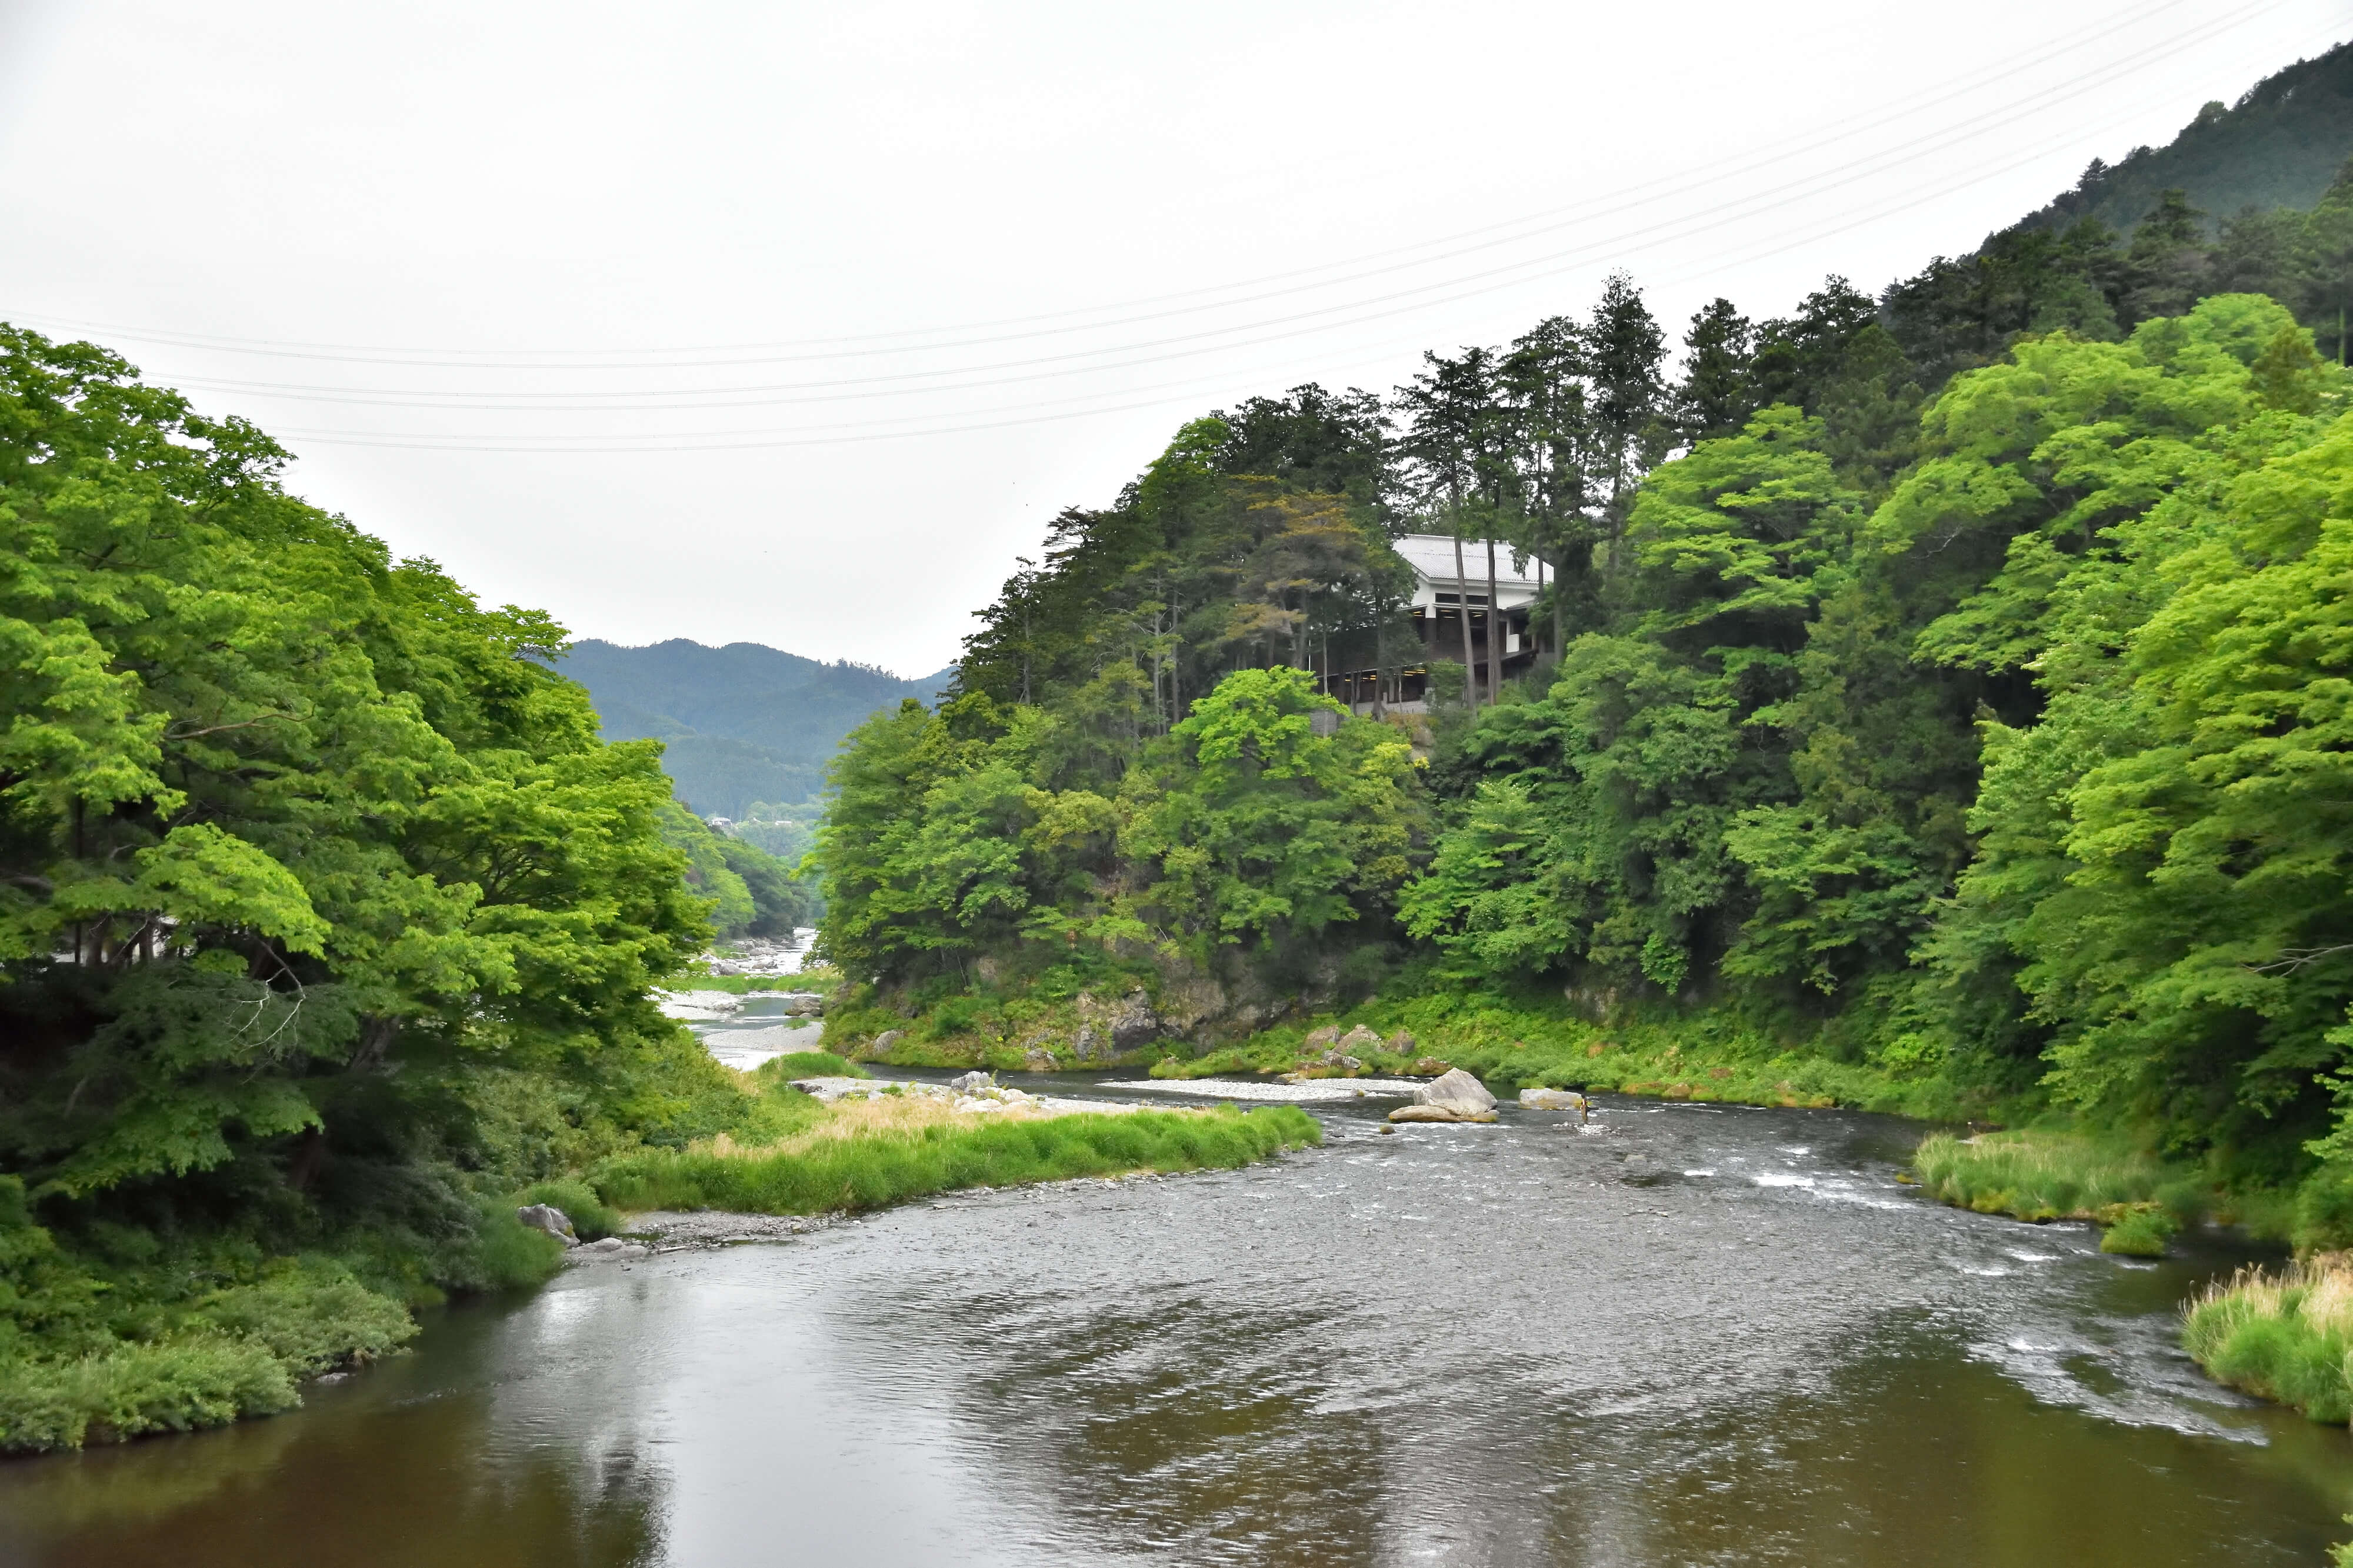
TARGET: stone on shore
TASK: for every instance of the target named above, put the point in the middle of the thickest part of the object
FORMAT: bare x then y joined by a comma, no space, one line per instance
971,1082
551,1219
612,1247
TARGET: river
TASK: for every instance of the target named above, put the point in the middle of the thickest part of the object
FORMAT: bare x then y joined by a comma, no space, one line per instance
1694,1334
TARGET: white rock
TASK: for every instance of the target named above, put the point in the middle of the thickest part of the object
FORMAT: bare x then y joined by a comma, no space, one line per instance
1457,1091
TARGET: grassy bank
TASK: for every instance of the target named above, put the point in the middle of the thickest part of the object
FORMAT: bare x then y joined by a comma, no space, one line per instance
1540,1039
2284,1335
1512,1039
169,1309
2046,1174
872,1167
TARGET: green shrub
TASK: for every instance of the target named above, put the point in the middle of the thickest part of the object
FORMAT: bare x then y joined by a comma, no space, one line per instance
2140,1232
191,1380
591,1220
2283,1336
875,1171
2324,1211
807,1064
311,1316
508,1254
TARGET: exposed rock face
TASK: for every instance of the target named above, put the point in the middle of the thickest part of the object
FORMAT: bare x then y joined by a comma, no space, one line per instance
1456,1090
551,1219
1552,1100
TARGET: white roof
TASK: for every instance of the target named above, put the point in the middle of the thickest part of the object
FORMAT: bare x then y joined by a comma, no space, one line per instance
1432,555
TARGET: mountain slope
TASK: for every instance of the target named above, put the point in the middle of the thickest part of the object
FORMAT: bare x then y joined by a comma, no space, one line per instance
2278,146
742,723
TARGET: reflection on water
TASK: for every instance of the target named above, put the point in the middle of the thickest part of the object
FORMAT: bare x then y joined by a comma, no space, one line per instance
1701,1335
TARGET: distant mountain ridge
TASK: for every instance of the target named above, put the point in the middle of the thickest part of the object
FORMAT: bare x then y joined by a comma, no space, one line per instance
741,723
2279,146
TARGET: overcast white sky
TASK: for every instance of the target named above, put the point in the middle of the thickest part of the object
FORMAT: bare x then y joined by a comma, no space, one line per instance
795,323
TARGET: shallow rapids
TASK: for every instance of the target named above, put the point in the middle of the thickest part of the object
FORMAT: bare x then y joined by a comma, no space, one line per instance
1688,1334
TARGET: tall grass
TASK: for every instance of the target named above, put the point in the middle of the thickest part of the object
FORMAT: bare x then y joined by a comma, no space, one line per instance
887,1166
2036,1175
2286,1336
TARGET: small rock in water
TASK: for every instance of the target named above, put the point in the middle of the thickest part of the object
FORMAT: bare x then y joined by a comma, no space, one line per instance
1552,1100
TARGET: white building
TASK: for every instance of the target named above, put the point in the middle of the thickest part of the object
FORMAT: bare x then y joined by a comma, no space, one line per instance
1440,598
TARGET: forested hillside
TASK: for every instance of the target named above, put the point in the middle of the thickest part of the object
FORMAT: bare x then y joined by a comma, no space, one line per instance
2278,146
1941,686
740,724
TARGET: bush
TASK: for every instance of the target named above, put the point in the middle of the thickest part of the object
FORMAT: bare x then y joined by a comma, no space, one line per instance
780,1070
2140,1231
508,1254
191,1380
2284,1336
591,1220
311,1316
2324,1211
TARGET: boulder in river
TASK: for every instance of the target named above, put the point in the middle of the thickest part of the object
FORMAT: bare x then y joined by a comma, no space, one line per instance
1457,1091
1454,1113
551,1219
1551,1099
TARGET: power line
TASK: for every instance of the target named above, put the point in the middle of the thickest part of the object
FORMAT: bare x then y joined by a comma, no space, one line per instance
2091,33
1194,344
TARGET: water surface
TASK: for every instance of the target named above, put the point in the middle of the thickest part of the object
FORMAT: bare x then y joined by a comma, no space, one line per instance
1699,1335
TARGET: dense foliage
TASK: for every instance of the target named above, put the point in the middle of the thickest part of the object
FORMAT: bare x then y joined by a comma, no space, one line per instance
325,916
1947,680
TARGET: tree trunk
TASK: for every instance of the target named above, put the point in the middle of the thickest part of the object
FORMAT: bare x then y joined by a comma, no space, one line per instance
1494,631
1462,608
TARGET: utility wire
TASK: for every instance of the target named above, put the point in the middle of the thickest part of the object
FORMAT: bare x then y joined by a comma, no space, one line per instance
910,383
1644,196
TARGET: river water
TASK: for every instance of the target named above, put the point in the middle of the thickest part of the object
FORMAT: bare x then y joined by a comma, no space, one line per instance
1692,1335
